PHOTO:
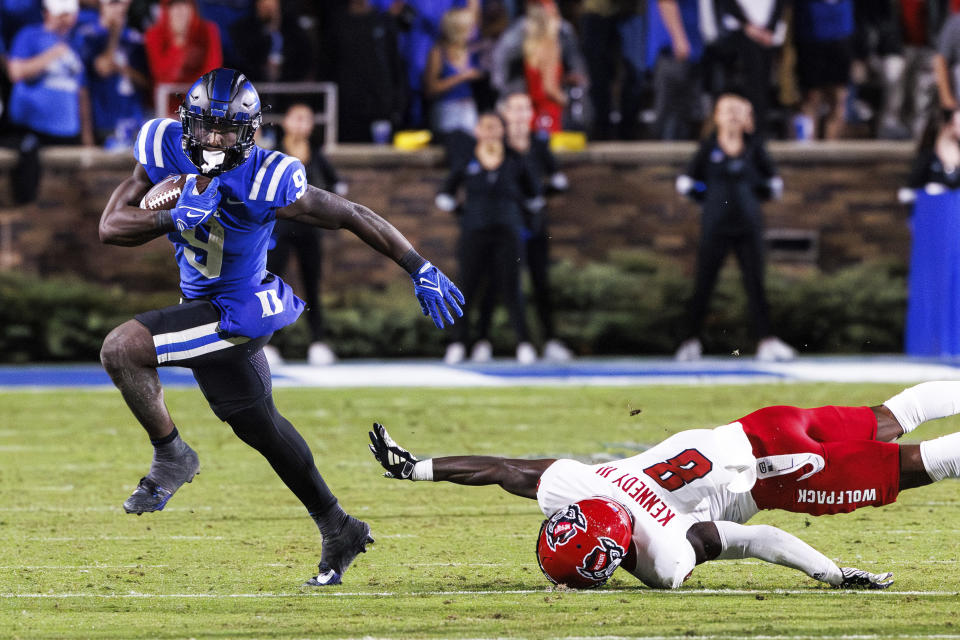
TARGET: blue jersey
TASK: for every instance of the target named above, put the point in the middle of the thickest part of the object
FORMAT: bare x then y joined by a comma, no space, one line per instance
50,102
225,259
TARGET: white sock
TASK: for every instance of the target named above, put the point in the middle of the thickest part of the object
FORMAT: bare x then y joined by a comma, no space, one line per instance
941,457
777,546
923,402
423,470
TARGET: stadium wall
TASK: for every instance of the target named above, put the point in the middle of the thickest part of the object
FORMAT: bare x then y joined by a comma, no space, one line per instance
839,209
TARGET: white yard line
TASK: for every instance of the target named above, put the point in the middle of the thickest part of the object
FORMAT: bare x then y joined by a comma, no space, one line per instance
481,592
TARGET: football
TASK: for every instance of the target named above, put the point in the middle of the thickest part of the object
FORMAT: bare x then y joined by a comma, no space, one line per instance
165,193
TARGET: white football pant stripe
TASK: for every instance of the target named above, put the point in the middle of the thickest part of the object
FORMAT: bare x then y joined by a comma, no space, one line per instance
180,337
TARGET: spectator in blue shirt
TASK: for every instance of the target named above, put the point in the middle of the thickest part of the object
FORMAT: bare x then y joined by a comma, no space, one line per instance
674,49
823,33
226,14
49,103
116,65
420,25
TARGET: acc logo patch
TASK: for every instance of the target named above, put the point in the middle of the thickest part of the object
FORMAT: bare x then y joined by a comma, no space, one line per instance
602,561
563,525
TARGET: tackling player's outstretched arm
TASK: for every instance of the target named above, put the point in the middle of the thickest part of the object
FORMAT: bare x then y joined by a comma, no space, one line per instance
323,209
123,223
516,476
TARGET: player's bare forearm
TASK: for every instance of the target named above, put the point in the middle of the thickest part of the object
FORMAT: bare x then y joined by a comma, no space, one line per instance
329,211
123,223
519,477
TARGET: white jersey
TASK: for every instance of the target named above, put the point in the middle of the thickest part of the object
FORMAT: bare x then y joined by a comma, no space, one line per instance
692,476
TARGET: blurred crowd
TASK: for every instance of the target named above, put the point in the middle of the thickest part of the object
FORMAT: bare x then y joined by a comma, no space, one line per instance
492,80
81,71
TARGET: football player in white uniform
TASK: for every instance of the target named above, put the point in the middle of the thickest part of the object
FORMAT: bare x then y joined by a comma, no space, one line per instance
689,496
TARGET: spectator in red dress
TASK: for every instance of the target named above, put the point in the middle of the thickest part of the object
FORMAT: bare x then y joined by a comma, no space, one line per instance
543,66
182,46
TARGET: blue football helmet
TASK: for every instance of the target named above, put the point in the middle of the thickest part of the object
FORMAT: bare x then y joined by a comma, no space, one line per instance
219,114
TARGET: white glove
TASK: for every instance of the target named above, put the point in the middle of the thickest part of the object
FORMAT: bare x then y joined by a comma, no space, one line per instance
445,202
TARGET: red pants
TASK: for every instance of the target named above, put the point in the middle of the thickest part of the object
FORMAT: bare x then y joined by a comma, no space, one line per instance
857,470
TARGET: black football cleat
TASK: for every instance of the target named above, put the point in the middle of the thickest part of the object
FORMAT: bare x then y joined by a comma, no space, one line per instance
860,579
327,577
150,496
339,551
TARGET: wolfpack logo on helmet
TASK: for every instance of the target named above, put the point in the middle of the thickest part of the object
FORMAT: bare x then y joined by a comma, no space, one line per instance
563,525
602,561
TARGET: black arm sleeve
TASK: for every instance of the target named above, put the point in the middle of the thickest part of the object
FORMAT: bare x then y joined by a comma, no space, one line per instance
547,160
766,169
529,184
453,180
920,170
697,168
765,165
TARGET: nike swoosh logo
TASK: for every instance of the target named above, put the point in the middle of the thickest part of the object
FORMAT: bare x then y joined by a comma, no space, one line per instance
196,215
232,201
427,283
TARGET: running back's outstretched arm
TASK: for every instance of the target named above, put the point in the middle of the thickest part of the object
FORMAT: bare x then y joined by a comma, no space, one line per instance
329,211
517,476
433,289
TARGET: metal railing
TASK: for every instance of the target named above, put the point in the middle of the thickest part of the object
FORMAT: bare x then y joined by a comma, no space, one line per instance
325,111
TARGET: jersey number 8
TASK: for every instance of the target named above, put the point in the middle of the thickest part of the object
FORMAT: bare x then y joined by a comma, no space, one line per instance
679,470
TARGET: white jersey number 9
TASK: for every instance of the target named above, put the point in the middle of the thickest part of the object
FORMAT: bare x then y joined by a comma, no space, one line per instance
205,255
300,181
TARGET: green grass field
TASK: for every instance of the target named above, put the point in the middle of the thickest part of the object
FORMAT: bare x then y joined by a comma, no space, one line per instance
228,555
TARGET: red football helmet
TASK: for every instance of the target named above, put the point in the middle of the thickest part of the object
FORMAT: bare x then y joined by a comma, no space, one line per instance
582,544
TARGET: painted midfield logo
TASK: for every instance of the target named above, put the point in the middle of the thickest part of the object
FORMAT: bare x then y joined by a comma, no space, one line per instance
563,526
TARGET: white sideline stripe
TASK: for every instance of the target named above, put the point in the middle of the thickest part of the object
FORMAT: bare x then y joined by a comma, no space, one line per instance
420,594
88,567
104,509
255,189
82,567
122,538
760,563
277,174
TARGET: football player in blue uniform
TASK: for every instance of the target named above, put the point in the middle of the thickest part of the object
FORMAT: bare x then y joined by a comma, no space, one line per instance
231,304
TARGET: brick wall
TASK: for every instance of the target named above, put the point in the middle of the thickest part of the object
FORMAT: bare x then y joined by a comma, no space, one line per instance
839,208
